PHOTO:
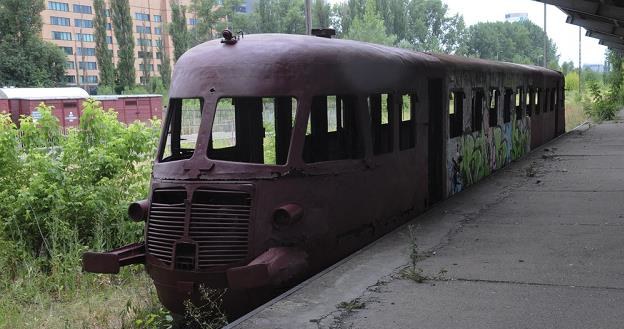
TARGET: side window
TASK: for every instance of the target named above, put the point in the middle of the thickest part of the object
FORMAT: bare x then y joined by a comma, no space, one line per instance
380,107
537,102
553,99
477,110
456,113
252,130
530,101
333,132
183,118
493,107
507,105
407,129
519,94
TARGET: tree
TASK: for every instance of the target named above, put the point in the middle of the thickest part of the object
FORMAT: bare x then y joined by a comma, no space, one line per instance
567,67
278,16
165,63
146,56
207,19
179,31
103,54
518,42
25,59
430,28
370,27
122,22
321,11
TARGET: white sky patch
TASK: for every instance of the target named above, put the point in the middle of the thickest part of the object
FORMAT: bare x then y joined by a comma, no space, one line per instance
566,36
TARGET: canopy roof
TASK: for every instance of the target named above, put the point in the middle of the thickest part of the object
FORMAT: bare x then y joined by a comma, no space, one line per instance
603,19
43,93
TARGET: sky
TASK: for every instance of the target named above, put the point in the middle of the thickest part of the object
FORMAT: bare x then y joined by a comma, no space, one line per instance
565,35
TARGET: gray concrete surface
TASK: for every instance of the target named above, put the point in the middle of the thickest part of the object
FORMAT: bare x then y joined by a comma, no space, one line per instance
515,251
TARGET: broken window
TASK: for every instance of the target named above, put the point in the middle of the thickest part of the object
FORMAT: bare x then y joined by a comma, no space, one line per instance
183,119
493,107
529,102
519,94
537,103
381,108
456,113
252,130
333,132
407,130
507,105
477,110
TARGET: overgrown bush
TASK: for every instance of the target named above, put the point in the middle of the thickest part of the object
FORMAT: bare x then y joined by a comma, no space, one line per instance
63,194
602,105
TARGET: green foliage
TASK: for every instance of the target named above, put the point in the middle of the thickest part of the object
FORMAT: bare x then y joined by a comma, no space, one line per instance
370,27
276,16
601,105
567,67
207,19
519,42
179,32
65,194
572,81
124,33
26,60
321,12
103,54
165,64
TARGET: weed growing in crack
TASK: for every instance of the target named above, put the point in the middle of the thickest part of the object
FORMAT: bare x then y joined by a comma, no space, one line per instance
210,314
352,305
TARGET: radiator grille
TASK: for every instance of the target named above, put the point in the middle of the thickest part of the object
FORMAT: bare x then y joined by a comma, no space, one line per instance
220,225
166,222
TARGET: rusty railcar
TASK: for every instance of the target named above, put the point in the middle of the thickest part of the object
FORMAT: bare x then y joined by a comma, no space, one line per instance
332,144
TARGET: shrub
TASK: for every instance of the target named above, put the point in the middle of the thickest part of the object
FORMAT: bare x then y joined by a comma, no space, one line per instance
602,106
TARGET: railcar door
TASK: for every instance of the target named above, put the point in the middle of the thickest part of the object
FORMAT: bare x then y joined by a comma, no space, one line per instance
436,146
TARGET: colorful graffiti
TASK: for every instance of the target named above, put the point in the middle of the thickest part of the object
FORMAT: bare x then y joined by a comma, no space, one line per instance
473,156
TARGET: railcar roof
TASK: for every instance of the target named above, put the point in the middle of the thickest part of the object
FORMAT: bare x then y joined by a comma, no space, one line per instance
467,63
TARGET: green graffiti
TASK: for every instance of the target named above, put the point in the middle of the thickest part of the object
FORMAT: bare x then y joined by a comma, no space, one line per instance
520,139
474,164
501,148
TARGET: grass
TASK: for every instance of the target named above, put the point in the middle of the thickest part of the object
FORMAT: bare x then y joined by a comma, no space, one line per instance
574,114
110,302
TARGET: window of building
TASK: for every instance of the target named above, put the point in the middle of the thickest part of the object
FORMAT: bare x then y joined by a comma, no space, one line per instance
61,35
380,108
477,110
407,126
144,42
143,29
192,21
62,21
158,43
80,51
109,26
456,113
157,30
82,9
333,132
85,37
145,54
87,65
519,95
58,6
67,50
157,18
107,12
89,79
159,55
150,67
507,105
69,65
69,79
109,40
142,17
84,23
493,107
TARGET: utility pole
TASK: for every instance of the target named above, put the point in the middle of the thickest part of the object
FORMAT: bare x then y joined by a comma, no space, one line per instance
545,39
308,17
580,65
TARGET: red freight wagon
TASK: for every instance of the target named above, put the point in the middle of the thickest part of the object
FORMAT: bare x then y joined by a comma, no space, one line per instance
67,104
23,101
133,107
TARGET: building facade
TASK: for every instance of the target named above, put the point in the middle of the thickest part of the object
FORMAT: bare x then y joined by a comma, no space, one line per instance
70,25
516,17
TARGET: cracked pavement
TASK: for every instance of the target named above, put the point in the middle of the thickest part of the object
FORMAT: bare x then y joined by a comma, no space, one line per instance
525,248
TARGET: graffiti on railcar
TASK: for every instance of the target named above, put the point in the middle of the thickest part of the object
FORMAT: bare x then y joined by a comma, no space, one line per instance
473,156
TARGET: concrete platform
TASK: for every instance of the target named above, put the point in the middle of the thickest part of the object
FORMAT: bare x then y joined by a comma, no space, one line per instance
515,251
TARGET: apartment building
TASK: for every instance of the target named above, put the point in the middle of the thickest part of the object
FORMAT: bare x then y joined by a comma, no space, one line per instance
70,25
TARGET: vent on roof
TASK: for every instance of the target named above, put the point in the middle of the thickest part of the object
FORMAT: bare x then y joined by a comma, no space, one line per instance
324,33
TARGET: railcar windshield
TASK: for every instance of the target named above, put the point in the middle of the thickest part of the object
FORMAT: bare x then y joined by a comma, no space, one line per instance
252,129
183,119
